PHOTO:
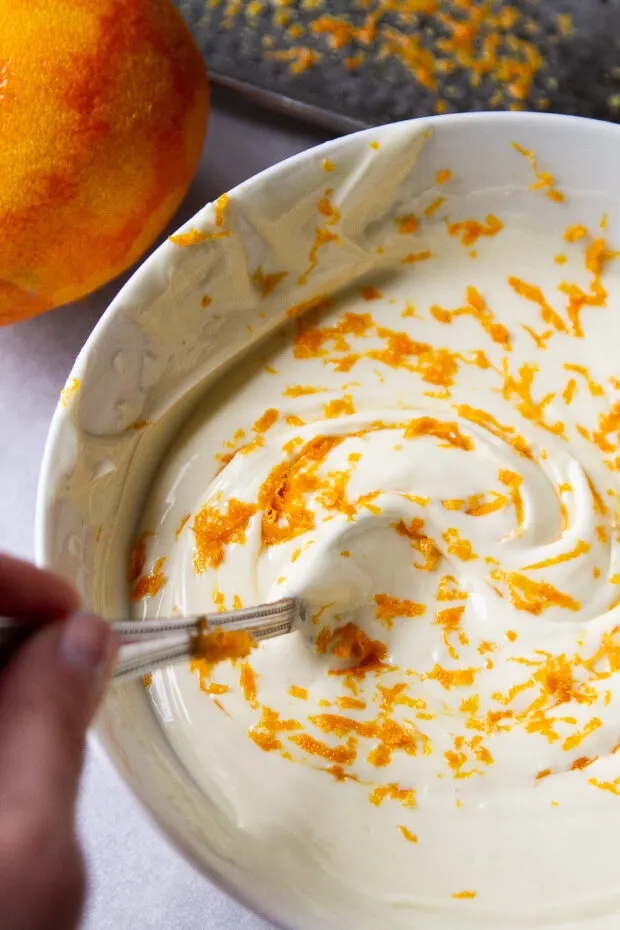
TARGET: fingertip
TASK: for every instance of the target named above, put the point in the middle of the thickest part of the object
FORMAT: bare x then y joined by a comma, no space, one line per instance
61,595
89,645
49,693
35,593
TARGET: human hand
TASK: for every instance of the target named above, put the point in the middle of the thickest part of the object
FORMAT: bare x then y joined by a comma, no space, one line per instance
48,695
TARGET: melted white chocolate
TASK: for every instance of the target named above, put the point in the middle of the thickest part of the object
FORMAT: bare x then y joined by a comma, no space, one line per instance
461,516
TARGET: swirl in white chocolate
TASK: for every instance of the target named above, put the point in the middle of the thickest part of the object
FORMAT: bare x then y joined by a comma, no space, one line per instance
429,459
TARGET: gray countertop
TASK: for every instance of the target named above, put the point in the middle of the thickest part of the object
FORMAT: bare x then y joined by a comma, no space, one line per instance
136,879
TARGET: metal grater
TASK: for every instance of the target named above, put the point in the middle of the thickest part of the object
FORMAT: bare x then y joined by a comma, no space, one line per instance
347,64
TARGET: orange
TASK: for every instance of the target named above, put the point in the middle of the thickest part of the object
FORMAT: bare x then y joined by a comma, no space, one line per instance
103,111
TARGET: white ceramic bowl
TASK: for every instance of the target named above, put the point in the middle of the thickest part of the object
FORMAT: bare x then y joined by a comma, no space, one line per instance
155,350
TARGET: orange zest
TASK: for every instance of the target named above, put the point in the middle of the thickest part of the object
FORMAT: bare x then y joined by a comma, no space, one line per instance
214,530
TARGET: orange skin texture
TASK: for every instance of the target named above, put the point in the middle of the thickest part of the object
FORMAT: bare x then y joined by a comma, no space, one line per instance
103,112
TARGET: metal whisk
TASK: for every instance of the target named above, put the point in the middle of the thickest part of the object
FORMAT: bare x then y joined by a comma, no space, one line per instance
149,644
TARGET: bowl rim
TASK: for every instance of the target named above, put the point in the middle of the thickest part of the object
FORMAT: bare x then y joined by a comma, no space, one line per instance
158,256
158,259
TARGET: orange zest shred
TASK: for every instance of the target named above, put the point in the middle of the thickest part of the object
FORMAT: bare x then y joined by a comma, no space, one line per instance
596,390
540,339
149,585
339,773
350,644
138,425
436,366
577,738
545,181
299,693
535,295
507,433
534,596
452,678
184,521
612,786
574,233
220,207
341,407
247,680
69,391
322,237
214,688
448,590
406,796
380,756
423,544
609,423
582,763
394,735
341,755
407,224
472,230
214,530
267,731
298,390
513,481
569,392
461,548
450,619
349,703
388,608
322,234
521,387
137,557
597,255
465,752
581,548
215,646
371,293
267,282
196,236
312,341
300,59
316,304
265,741
414,257
476,307
266,421
282,495
447,432
434,206
477,506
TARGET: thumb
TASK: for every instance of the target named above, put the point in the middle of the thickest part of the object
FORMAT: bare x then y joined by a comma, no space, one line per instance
48,695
